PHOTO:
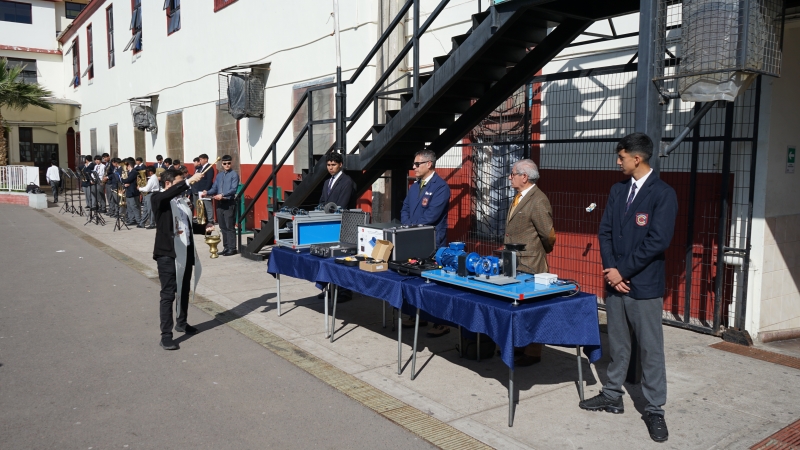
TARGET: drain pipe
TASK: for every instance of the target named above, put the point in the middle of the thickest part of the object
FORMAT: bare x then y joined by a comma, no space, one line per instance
665,151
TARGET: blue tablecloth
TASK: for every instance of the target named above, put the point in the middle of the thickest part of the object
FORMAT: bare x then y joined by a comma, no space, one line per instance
382,285
286,261
563,321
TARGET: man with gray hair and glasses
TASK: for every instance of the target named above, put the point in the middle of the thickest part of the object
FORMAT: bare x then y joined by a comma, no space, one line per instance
529,222
427,203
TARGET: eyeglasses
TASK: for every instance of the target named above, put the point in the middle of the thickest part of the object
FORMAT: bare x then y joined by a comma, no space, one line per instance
517,173
417,163
226,164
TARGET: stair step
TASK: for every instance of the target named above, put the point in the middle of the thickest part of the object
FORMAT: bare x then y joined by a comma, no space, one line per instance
478,18
458,40
451,105
249,239
424,77
405,98
390,113
435,120
468,89
439,61
505,54
530,34
420,135
485,71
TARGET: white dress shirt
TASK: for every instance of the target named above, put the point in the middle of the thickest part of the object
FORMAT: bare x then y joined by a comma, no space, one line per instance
53,174
333,180
639,183
151,186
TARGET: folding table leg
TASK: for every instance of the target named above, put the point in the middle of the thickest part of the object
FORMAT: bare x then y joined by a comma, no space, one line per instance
580,372
333,316
510,397
383,307
460,343
327,328
278,282
414,350
399,341
479,347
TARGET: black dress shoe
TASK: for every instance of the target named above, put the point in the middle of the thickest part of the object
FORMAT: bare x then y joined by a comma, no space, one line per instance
527,360
657,427
168,344
602,403
188,329
151,227
229,253
139,226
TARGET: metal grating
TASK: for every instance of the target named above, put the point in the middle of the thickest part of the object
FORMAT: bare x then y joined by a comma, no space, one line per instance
786,439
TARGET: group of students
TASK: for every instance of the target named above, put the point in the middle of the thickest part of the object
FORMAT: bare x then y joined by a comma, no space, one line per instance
104,180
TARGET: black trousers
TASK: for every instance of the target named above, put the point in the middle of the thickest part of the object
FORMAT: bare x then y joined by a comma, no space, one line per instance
169,285
225,212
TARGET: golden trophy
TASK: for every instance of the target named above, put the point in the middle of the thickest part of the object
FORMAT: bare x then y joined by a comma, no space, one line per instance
213,241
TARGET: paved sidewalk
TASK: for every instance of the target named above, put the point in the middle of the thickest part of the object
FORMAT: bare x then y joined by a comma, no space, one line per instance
80,365
716,399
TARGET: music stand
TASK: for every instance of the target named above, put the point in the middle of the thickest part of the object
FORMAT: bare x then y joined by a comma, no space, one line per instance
73,179
65,206
80,176
94,211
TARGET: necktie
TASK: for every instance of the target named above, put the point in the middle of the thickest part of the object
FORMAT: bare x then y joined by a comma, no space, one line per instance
330,185
630,198
421,186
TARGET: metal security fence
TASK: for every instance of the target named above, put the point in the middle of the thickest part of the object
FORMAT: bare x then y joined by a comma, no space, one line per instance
569,123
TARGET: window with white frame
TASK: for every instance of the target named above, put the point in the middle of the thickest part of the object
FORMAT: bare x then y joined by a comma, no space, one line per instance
136,27
15,12
173,8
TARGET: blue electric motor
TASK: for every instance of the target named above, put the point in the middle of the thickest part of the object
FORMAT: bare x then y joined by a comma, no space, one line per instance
488,265
447,257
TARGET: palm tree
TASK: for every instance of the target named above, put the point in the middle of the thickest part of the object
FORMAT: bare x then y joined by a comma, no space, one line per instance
17,95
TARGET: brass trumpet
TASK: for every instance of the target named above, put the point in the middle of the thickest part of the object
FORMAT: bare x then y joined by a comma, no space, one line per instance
200,207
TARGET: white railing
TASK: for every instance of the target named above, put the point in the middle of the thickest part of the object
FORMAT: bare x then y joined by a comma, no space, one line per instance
13,178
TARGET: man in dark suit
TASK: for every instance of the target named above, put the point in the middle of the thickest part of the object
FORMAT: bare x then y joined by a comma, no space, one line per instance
87,183
339,188
635,231
174,252
203,185
132,195
426,203
529,222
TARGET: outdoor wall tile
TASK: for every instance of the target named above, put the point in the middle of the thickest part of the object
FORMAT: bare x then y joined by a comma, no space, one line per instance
770,252
781,222
769,231
788,283
771,288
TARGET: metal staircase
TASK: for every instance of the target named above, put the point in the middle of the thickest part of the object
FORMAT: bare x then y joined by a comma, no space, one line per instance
506,45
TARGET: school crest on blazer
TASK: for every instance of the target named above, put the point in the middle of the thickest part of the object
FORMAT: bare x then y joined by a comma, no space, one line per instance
642,219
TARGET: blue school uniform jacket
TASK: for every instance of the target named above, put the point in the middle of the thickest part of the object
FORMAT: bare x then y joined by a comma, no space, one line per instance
634,242
428,207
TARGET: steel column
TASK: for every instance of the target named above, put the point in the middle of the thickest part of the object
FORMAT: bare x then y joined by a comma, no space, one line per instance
722,235
648,111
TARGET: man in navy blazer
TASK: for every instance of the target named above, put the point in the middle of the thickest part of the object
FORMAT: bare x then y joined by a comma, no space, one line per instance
635,232
427,203
339,188
428,198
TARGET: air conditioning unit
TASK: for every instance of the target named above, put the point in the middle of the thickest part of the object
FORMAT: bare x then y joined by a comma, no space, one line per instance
241,93
144,117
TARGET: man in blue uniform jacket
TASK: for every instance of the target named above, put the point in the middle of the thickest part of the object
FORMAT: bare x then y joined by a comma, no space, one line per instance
427,203
635,231
428,198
